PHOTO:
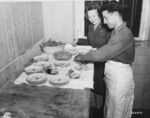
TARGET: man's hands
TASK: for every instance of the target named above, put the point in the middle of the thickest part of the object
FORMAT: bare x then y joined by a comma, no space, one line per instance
78,57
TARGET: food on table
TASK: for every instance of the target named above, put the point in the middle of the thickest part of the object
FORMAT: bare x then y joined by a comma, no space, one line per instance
43,64
10,112
52,70
36,79
62,64
42,57
51,42
33,69
59,81
73,74
83,67
62,55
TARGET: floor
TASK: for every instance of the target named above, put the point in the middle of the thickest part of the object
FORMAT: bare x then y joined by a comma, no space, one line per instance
137,113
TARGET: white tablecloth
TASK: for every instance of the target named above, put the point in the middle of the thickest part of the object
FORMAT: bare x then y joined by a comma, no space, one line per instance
85,81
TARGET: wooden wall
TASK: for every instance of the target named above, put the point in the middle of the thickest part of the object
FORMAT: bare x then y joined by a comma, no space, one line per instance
21,27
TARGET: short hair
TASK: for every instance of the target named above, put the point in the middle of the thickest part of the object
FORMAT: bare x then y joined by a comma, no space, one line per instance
92,6
112,6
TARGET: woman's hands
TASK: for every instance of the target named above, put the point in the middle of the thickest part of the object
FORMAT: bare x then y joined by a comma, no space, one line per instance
74,43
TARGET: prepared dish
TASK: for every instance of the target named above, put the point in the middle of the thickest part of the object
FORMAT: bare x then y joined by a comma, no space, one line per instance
62,55
42,57
59,81
43,64
10,112
52,70
36,79
73,74
83,67
62,64
33,69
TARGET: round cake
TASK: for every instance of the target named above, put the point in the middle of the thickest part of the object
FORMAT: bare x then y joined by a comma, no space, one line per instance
11,112
42,57
59,81
62,55
33,69
62,64
36,79
43,64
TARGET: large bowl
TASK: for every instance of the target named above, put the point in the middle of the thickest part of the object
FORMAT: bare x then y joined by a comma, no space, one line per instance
12,112
62,55
51,49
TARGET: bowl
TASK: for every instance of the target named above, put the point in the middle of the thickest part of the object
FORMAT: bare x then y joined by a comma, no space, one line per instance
11,112
51,49
62,55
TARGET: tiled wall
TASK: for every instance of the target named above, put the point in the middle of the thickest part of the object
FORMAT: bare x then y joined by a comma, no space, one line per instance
21,29
141,69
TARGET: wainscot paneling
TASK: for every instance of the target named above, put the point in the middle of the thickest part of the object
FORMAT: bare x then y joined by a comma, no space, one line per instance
21,31
4,54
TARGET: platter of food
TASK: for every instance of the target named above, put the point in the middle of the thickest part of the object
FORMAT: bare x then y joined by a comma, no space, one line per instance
36,79
62,55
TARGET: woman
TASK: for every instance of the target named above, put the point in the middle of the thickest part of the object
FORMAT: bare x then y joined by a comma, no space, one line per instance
98,36
118,53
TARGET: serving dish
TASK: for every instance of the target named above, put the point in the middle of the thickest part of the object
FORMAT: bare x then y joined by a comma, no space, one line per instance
11,112
62,55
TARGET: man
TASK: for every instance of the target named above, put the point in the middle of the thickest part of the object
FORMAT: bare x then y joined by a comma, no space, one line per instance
118,53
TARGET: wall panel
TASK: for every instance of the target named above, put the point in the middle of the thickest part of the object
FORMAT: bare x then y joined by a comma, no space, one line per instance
4,54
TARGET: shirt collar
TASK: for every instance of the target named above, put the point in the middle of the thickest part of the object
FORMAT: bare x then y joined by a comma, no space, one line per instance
120,27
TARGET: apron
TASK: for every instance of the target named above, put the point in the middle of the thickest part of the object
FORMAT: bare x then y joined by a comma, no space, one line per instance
119,90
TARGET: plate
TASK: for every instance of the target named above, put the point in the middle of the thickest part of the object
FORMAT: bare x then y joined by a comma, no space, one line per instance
62,55
11,112
36,79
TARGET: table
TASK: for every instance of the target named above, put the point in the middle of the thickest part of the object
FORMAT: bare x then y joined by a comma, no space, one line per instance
46,102
86,80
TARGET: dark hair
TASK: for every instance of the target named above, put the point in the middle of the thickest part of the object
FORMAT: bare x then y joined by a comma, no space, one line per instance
112,6
92,6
